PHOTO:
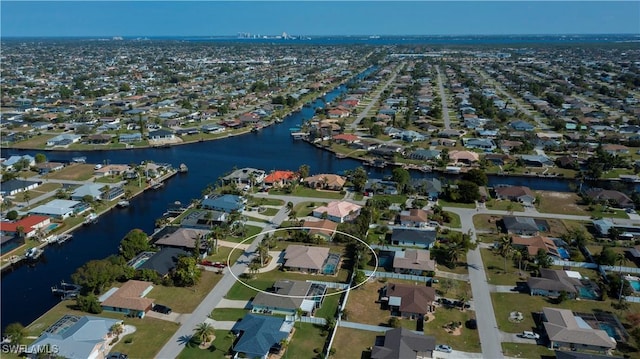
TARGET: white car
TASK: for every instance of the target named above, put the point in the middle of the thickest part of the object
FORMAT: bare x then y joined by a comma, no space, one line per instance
444,348
530,335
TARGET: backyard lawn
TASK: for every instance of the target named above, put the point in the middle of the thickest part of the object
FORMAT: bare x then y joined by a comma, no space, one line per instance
444,203
503,205
306,341
228,314
353,343
218,350
304,209
494,267
185,300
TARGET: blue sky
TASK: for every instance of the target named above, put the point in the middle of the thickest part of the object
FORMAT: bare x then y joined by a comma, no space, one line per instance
220,18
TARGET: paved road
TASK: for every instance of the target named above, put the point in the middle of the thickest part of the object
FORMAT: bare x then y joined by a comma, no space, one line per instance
368,327
374,98
443,100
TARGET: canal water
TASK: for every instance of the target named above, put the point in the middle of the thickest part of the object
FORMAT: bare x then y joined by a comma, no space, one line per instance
26,291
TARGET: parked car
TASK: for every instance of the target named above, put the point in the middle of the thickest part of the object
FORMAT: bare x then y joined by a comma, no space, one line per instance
161,309
117,355
530,335
443,348
472,324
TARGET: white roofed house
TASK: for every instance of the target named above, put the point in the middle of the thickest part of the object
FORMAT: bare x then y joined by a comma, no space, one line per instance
338,211
97,192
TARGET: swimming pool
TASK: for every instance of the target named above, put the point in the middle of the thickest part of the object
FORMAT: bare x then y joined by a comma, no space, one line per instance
563,253
51,227
588,293
635,284
610,329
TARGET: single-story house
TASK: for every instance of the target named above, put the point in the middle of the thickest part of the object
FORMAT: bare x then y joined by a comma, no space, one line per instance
413,237
520,194
484,144
15,186
212,128
413,261
183,238
77,337
338,211
466,157
520,125
280,178
64,139
97,192
252,176
536,243
409,301
201,219
414,218
259,335
306,258
164,261
111,170
551,282
46,167
378,186
226,203
524,226
289,296
323,229
60,208
401,343
11,161
129,299
537,161
325,181
29,226
567,330
614,198
431,187
425,155
130,137
161,134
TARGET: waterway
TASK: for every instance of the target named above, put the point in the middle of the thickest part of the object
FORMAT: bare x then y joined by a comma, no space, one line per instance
26,292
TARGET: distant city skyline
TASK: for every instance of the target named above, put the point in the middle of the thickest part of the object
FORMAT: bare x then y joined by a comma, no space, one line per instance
316,18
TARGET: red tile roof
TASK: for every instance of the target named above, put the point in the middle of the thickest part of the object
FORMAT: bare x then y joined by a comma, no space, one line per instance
27,223
277,176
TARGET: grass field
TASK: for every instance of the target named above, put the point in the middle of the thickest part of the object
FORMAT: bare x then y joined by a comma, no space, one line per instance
529,351
467,341
36,142
309,192
494,265
218,350
304,209
228,314
500,205
353,343
307,338
74,172
223,254
559,202
444,203
455,220
185,300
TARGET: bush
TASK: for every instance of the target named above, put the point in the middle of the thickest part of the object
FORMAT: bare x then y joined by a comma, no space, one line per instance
12,215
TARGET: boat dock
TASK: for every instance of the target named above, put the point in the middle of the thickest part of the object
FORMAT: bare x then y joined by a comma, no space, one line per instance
66,290
59,239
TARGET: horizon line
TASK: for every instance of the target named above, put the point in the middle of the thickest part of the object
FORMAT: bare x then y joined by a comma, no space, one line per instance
260,36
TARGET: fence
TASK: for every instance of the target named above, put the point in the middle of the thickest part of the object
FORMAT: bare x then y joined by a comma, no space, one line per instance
332,285
632,299
621,269
418,278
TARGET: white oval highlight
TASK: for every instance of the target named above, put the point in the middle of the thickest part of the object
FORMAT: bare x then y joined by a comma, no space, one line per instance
373,273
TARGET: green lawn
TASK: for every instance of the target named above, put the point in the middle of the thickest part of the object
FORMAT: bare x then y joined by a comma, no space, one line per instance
185,300
269,212
301,191
444,203
455,220
532,351
353,343
393,198
494,268
223,254
467,341
218,350
329,306
504,205
266,201
304,209
76,172
600,211
228,314
249,232
307,338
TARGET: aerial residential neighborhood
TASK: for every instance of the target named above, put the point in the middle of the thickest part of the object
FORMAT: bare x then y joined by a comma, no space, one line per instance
299,196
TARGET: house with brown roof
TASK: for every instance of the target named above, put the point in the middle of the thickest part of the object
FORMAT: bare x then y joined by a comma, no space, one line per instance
346,138
305,258
414,217
323,229
465,157
536,243
520,194
552,282
184,238
129,299
409,301
325,181
413,261
611,197
567,330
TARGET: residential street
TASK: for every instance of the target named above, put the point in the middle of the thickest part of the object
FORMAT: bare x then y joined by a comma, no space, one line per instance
443,98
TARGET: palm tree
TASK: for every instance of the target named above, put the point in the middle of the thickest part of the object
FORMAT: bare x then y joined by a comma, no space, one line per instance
204,332
506,247
289,207
284,344
299,313
455,251
263,252
117,329
621,260
254,267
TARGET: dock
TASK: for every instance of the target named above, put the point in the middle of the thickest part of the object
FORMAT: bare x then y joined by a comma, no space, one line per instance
66,290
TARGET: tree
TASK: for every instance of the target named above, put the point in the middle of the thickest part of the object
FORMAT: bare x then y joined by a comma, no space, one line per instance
359,277
27,197
117,329
359,178
254,267
134,242
455,251
299,313
401,177
394,322
40,158
303,171
607,257
505,249
263,252
543,259
15,332
476,176
89,304
94,276
203,332
186,272
468,192
12,215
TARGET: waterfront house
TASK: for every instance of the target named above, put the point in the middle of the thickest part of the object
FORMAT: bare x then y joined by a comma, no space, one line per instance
130,137
610,197
409,301
130,299
259,335
183,238
323,230
200,219
524,226
47,167
413,261
346,138
375,186
290,296
425,155
226,203
163,261
520,194
212,128
9,163
161,135
569,331
15,186
325,181
280,178
464,157
26,227
338,211
306,258
401,343
76,337
111,170
97,192
250,176
431,187
62,140
424,238
536,161
60,208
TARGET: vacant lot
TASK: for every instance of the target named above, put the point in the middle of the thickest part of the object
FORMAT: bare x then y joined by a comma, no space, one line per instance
309,192
559,202
74,172
467,341
306,341
185,300
353,343
532,351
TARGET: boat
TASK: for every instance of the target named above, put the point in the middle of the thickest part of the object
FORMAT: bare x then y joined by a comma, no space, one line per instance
279,120
59,239
33,253
91,218
183,168
157,185
79,159
123,204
